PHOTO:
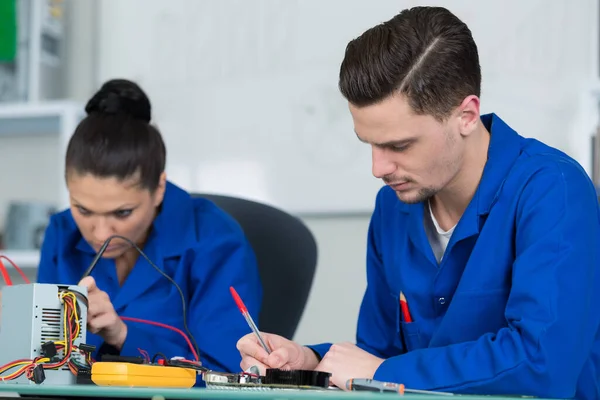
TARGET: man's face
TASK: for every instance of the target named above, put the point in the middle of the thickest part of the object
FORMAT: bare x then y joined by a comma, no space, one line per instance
414,154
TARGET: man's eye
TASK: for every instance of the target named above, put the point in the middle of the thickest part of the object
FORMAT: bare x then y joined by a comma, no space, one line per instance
400,148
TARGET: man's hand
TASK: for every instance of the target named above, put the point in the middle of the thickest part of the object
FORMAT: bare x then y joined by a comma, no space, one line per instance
102,318
285,354
345,361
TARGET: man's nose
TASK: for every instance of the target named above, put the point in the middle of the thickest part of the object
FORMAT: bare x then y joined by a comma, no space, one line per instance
382,164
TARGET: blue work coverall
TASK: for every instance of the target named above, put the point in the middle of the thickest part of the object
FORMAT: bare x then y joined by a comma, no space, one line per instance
513,307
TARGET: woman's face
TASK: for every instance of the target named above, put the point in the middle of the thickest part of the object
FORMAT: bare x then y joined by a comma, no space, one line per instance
103,207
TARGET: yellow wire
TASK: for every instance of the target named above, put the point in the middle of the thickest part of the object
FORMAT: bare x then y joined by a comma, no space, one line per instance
14,374
14,365
74,298
65,319
75,315
23,363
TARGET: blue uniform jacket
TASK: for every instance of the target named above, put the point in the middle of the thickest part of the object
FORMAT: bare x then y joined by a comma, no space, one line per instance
201,248
513,307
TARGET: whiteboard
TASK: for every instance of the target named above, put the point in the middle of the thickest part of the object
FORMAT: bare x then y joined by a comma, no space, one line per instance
245,92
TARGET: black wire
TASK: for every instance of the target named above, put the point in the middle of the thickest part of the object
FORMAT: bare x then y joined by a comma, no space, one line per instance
135,246
159,355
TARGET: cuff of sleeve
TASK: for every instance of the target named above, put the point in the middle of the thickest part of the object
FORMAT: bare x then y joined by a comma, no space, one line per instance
320,349
394,370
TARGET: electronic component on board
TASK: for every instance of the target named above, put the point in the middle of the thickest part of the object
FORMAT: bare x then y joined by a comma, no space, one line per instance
273,379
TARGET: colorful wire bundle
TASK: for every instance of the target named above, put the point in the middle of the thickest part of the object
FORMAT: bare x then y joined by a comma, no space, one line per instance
71,330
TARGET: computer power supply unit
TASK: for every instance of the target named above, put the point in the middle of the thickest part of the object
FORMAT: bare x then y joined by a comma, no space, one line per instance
34,314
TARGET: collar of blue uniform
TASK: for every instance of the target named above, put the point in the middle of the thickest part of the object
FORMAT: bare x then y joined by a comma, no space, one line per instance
503,151
173,228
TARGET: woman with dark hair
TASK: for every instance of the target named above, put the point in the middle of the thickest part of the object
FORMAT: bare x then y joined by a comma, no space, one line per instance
115,174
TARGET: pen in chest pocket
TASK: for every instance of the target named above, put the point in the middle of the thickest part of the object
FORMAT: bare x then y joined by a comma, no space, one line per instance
404,306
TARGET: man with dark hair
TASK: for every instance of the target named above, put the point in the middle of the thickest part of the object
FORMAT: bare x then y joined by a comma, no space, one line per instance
484,247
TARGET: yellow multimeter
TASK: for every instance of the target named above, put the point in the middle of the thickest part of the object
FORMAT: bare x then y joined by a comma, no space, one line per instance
142,375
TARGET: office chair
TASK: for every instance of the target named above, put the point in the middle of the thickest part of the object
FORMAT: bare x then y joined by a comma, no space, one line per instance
286,252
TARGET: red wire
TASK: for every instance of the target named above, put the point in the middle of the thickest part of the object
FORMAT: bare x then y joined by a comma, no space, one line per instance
5,275
143,321
15,266
145,354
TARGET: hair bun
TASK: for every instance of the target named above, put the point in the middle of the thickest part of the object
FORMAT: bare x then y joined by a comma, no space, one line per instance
121,96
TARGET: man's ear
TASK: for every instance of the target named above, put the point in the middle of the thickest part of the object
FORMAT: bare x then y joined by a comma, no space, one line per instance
469,115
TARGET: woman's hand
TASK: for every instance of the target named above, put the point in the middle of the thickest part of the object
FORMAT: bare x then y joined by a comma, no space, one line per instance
102,318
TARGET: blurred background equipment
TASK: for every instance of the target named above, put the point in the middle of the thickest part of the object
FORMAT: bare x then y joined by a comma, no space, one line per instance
32,48
26,223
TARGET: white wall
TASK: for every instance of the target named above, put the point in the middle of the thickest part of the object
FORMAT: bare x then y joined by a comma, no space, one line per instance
82,46
538,62
340,279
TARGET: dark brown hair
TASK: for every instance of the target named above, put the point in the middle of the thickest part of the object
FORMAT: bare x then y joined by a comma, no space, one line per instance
425,53
116,138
